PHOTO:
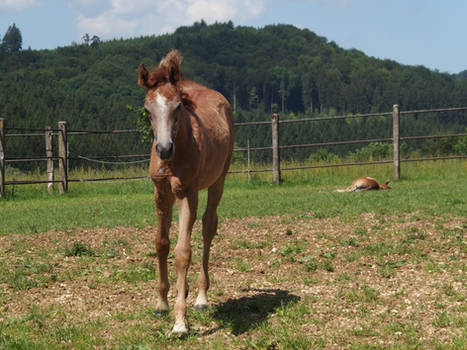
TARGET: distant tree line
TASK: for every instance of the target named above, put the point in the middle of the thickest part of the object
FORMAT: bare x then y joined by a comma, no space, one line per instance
278,68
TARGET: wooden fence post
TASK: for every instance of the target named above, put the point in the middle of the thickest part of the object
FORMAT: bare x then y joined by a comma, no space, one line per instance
2,157
396,141
49,155
248,160
276,167
62,153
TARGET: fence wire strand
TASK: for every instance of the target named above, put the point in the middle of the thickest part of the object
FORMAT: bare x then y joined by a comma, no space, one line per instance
41,132
114,163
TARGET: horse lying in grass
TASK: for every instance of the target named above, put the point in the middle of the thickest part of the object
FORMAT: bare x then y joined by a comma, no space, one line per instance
192,149
365,184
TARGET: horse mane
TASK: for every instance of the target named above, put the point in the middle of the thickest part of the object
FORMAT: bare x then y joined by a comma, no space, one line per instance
172,59
187,102
154,78
172,63
167,71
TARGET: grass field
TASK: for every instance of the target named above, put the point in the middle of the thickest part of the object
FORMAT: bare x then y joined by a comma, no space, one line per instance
295,266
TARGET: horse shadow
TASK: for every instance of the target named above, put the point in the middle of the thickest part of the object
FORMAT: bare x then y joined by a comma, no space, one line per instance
245,313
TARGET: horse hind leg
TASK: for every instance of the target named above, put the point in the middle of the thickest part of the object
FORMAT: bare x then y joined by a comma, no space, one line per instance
209,230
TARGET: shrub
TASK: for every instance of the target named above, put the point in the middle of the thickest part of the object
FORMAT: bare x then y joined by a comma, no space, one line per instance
374,151
322,155
12,172
460,147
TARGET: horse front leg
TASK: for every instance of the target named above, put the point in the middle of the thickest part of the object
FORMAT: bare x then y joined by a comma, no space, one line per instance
164,200
187,207
209,231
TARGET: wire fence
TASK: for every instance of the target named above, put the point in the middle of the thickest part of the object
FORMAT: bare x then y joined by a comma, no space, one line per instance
63,157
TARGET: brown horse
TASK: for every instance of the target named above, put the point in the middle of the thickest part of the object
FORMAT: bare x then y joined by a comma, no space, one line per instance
193,142
365,184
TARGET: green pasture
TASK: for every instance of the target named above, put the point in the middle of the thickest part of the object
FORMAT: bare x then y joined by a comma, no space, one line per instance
295,266
430,188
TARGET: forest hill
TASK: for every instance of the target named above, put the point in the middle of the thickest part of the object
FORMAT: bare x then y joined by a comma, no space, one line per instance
256,69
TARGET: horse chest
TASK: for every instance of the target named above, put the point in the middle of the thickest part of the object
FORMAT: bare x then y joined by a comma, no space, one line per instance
179,185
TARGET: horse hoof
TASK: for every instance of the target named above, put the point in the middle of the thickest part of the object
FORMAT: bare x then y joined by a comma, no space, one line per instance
160,313
201,307
179,330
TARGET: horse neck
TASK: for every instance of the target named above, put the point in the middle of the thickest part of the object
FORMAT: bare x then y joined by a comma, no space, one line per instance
184,132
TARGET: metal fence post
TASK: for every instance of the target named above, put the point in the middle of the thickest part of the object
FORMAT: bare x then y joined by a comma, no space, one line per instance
62,153
2,157
276,167
49,155
396,141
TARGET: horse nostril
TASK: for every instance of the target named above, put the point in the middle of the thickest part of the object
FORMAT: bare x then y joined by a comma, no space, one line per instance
158,149
165,152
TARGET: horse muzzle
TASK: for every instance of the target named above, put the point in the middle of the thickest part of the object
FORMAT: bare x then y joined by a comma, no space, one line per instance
165,151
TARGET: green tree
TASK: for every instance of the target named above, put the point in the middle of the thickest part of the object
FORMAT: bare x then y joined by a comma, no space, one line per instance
12,40
95,41
253,99
86,38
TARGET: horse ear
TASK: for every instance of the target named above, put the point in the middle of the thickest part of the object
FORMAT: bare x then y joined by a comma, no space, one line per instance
174,72
143,75
172,63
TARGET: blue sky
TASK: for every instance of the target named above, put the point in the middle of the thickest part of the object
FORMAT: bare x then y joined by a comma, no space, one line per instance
414,32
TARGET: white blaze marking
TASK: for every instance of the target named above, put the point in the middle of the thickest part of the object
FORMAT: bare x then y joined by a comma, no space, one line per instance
162,120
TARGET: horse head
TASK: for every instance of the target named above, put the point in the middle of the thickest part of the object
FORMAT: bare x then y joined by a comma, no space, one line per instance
385,186
164,101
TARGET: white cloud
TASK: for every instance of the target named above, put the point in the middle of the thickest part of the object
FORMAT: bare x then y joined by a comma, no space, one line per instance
124,18
88,8
333,3
16,5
